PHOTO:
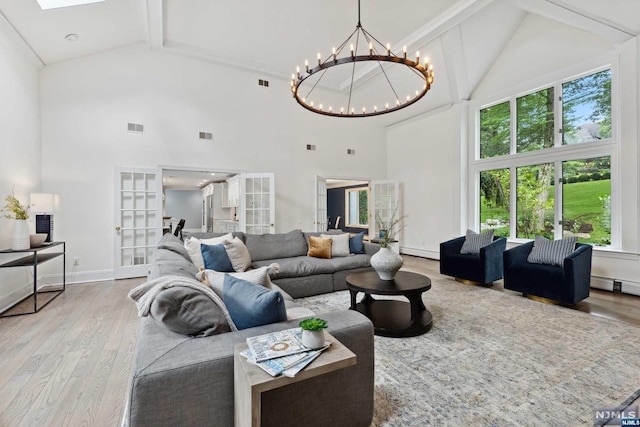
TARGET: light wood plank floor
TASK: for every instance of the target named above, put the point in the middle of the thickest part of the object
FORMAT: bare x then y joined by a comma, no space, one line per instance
69,364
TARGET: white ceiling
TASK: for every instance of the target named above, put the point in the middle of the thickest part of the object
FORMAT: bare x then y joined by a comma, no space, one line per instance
461,37
178,179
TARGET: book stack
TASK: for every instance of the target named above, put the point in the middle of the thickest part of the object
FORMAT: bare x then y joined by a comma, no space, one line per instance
281,352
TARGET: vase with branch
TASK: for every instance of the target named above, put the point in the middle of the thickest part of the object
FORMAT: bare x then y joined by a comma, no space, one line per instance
13,209
386,262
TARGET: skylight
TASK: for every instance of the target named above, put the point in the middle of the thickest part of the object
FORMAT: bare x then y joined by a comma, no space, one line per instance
54,4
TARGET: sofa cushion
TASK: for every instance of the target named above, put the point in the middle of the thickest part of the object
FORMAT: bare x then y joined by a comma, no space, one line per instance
252,305
319,247
187,311
551,252
271,246
298,266
474,241
238,254
215,258
192,245
339,244
169,263
350,262
356,243
173,243
257,276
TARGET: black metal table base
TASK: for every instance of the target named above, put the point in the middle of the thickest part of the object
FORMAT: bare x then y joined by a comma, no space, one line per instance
392,318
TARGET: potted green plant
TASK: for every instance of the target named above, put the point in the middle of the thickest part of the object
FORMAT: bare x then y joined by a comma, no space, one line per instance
13,209
313,332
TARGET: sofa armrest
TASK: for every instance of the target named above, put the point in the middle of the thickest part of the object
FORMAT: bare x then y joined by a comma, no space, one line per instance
577,268
516,255
452,246
371,248
493,250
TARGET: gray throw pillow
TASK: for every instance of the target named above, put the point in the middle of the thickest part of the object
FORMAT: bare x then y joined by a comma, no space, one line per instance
552,252
188,311
474,241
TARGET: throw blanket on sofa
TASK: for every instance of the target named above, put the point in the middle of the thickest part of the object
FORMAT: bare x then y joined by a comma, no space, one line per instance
144,294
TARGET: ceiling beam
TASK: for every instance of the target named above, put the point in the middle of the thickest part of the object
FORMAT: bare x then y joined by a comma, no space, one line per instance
456,65
155,23
433,29
561,12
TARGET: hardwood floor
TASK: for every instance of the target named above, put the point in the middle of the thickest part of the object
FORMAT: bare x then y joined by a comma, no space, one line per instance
69,364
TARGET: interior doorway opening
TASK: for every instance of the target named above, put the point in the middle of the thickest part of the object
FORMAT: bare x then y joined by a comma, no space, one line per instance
348,205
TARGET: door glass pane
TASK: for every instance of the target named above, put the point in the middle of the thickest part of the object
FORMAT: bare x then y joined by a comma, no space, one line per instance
127,257
249,185
127,219
151,182
126,200
535,201
494,130
586,200
126,180
139,182
139,200
151,200
126,238
139,238
534,121
494,201
586,108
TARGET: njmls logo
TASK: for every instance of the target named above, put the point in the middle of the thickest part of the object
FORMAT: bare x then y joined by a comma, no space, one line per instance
616,416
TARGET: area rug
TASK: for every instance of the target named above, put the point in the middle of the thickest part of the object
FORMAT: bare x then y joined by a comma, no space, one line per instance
495,359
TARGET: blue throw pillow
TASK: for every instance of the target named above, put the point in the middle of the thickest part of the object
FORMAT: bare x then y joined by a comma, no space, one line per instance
356,243
215,258
252,305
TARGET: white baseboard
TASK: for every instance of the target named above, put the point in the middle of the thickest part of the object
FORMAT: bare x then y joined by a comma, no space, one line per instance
15,296
78,277
424,253
606,283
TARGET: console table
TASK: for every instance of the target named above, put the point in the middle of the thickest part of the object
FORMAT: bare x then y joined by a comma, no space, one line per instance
33,259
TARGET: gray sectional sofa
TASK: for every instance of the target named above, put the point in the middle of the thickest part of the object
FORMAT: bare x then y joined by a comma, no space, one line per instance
185,380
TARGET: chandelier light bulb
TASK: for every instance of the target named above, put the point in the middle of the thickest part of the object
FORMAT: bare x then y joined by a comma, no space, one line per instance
352,110
312,101
341,110
334,53
319,58
320,106
404,51
370,48
306,65
298,72
364,110
398,102
417,56
386,106
330,109
388,49
375,109
408,98
426,63
352,55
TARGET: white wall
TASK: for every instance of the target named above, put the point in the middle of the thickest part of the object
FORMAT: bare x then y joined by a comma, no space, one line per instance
424,156
87,103
20,142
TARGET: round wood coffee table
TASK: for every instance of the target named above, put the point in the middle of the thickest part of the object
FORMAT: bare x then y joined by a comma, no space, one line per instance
392,318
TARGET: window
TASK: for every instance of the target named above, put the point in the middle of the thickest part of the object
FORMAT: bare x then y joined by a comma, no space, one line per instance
357,207
553,148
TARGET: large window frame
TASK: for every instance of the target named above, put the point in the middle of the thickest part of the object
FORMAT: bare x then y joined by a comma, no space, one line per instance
347,206
557,154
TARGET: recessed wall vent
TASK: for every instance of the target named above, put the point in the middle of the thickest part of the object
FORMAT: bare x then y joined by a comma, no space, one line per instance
135,127
351,151
205,135
264,83
311,147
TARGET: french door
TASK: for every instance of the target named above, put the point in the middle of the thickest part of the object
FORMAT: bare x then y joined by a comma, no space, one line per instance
138,225
320,223
257,210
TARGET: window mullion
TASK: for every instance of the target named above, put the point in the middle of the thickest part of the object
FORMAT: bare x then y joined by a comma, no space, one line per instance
557,115
558,215
513,132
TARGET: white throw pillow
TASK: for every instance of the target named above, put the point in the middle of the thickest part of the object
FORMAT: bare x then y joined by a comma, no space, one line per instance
259,276
192,245
238,254
339,244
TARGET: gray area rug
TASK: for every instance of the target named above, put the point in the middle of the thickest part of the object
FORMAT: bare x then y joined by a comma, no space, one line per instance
494,359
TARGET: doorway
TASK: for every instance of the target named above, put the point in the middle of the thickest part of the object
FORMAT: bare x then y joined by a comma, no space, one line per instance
348,205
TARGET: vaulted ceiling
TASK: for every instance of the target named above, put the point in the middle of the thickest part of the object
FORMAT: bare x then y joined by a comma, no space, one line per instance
463,38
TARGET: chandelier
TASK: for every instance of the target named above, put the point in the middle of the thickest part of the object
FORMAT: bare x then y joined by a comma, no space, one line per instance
364,49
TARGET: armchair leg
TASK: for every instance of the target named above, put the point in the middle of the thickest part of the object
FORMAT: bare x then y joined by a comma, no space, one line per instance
545,300
467,282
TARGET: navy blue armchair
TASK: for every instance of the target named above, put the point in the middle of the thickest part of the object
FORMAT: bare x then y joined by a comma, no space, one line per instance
566,285
484,268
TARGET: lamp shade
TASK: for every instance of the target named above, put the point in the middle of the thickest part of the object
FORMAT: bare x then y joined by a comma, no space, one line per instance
45,202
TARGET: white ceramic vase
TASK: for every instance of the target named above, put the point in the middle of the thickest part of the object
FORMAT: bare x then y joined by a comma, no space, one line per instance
386,263
20,235
312,339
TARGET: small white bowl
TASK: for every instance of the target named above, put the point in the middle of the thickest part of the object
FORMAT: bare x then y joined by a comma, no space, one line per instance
37,240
